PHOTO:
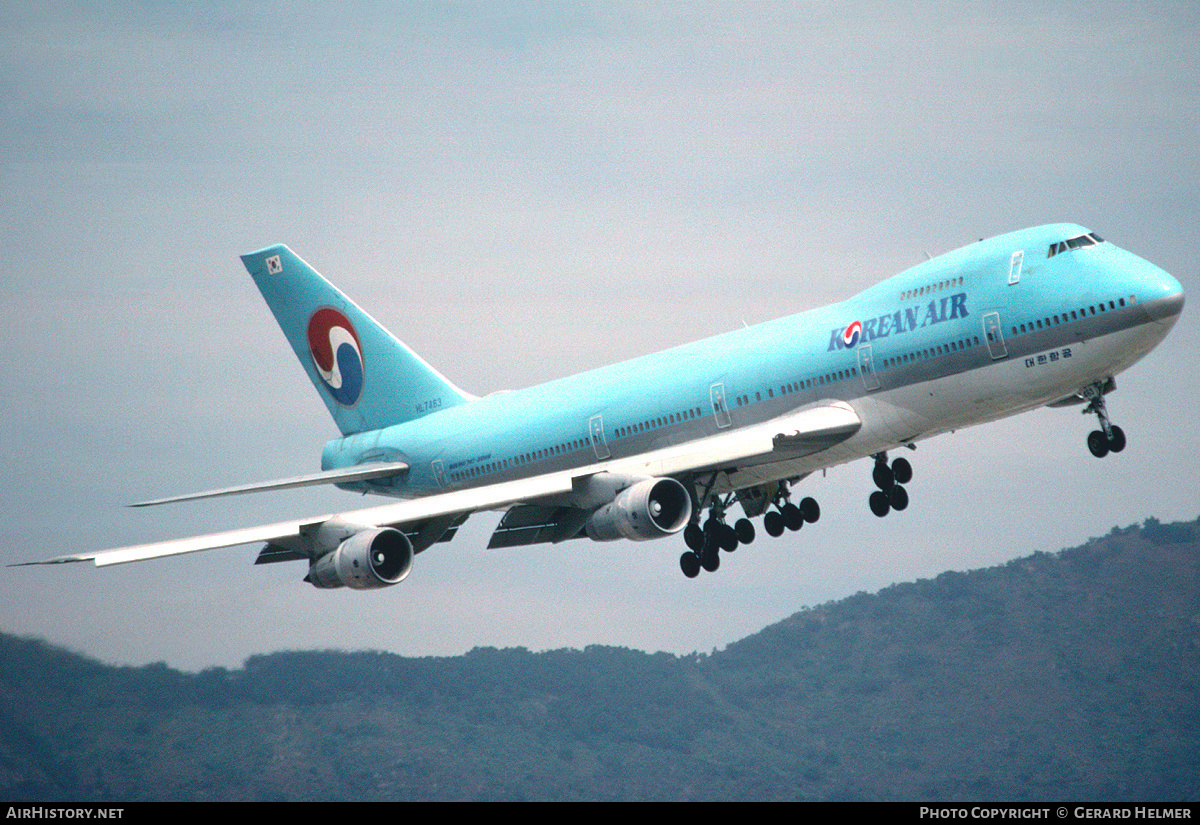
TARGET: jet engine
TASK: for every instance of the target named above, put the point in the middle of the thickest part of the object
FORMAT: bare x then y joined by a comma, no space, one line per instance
650,509
371,558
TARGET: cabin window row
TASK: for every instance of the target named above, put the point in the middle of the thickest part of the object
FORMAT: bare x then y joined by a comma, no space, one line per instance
1074,315
517,461
797,386
941,349
925,290
661,421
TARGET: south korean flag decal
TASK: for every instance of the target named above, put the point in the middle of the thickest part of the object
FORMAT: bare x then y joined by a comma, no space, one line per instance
274,265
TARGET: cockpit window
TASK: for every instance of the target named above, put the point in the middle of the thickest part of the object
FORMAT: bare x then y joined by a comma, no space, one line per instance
1090,239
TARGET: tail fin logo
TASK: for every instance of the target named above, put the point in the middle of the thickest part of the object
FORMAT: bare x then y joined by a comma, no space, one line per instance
337,355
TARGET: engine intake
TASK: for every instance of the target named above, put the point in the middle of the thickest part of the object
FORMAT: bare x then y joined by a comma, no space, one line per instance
370,559
650,509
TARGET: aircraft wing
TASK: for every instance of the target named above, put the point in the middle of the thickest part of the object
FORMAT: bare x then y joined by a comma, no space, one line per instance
287,534
793,435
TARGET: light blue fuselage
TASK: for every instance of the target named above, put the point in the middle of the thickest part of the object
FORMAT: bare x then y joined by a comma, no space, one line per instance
998,327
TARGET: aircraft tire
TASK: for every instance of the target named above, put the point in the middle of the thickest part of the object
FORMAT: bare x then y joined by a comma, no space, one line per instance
773,524
745,530
902,471
693,537
728,538
879,503
883,476
1117,442
689,563
793,519
711,559
897,497
1097,443
810,509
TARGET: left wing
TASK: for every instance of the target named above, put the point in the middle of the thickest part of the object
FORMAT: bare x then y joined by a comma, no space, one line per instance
800,433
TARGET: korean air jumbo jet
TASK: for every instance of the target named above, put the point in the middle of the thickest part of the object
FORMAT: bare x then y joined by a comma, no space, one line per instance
644,449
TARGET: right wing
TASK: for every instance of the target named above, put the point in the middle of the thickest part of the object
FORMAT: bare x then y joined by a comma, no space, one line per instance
290,534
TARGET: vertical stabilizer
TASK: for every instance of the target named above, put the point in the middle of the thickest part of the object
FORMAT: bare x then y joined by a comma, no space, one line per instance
366,377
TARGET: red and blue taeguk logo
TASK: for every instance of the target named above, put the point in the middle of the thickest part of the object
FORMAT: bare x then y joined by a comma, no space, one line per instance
337,355
852,333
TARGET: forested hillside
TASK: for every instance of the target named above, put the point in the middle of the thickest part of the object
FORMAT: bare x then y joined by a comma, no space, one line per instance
1072,675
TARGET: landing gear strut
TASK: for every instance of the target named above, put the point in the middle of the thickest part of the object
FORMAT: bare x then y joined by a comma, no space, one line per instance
705,543
891,495
1109,438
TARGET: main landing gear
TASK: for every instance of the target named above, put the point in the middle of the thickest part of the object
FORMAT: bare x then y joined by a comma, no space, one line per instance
788,516
1109,438
891,495
705,543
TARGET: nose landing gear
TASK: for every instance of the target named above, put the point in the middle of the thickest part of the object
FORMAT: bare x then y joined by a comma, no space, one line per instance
1109,438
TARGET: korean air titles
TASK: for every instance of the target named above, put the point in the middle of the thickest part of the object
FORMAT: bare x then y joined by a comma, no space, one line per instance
902,320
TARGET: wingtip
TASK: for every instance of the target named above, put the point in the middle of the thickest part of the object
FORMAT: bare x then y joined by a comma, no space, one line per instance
58,560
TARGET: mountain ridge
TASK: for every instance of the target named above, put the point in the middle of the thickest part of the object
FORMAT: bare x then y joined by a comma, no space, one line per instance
1057,675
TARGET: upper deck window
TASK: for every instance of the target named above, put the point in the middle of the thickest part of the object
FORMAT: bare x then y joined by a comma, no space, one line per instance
1090,239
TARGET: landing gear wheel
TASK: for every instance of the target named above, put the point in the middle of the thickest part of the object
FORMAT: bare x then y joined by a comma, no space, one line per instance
902,471
711,559
1098,444
689,563
879,503
745,530
727,537
693,537
810,510
773,524
1117,442
897,497
792,517
883,476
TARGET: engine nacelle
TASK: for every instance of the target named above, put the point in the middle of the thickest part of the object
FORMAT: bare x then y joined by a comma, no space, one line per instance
650,509
375,557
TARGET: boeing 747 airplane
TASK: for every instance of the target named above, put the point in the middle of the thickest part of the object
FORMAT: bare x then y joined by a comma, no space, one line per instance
643,449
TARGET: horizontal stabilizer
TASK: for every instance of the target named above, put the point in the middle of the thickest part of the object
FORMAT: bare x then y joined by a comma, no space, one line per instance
360,472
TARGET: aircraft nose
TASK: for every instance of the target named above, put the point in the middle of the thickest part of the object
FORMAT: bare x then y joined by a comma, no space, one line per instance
1159,293
1167,308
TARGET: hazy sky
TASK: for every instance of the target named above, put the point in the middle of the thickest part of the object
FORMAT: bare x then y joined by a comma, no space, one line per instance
521,191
